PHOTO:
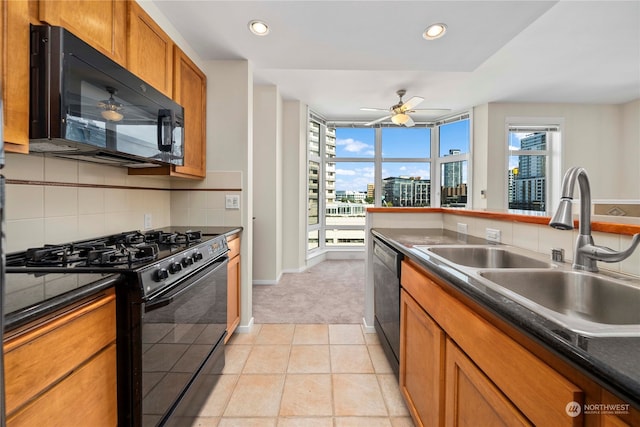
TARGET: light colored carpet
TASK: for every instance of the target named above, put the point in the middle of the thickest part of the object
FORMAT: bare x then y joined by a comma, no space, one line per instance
330,292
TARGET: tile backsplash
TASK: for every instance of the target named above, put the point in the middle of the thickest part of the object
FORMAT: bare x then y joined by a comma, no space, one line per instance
51,200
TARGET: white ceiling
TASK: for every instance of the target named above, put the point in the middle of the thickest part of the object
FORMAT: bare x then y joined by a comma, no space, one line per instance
338,56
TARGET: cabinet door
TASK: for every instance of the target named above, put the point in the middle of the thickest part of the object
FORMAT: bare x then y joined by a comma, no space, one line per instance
472,399
149,50
14,57
422,346
102,24
233,295
190,91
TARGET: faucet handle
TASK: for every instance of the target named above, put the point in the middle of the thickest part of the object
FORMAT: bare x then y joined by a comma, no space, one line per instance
605,254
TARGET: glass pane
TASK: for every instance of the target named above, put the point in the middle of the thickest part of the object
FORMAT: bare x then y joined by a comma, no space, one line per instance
527,183
337,237
355,142
454,138
314,139
353,184
314,240
406,184
453,192
406,142
527,141
312,197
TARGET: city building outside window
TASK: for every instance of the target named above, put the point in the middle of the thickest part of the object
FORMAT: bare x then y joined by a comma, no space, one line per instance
454,148
533,164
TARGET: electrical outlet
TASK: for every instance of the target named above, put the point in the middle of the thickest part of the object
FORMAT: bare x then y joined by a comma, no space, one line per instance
147,221
462,228
493,235
232,201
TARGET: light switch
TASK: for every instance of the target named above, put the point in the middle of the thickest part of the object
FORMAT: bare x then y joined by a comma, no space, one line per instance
232,201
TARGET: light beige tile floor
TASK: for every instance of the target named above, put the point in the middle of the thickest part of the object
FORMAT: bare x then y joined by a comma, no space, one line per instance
305,376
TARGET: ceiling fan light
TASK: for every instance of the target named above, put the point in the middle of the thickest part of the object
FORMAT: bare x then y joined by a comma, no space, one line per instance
111,115
434,31
400,119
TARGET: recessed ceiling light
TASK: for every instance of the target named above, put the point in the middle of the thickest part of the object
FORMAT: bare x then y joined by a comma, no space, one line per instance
434,31
259,28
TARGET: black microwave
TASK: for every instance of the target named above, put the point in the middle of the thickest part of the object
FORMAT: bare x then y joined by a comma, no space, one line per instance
85,106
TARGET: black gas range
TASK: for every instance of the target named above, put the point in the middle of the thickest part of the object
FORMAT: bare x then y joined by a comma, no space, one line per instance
171,312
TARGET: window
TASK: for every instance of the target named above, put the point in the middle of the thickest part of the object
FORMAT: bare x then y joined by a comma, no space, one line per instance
351,168
533,165
454,141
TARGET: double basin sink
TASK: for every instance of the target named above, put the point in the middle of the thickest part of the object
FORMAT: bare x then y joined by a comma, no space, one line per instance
588,304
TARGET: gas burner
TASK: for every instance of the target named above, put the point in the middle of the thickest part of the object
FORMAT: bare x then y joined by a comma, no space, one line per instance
124,255
164,238
128,239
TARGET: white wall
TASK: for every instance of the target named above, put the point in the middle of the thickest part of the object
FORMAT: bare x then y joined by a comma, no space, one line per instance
630,175
591,138
294,186
267,184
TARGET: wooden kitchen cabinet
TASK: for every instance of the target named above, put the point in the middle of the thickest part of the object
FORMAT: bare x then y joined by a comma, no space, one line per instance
149,50
472,399
190,91
61,370
15,17
233,285
487,372
102,24
422,351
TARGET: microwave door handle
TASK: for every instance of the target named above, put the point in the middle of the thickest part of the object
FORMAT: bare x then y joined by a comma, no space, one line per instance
165,130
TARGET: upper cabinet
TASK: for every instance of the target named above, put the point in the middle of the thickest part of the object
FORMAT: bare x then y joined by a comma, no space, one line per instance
14,54
149,50
190,91
102,24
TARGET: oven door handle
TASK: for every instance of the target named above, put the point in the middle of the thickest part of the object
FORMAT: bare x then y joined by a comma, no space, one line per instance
156,303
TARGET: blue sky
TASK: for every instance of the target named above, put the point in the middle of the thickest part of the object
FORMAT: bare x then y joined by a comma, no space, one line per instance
397,142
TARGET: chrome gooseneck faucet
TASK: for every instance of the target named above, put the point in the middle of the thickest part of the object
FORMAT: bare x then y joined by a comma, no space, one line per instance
586,253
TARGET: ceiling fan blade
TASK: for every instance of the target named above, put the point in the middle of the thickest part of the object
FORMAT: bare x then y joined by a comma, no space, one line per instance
409,123
377,121
412,103
435,110
373,109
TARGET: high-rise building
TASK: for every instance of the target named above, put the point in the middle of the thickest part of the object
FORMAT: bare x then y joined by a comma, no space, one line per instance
406,191
529,180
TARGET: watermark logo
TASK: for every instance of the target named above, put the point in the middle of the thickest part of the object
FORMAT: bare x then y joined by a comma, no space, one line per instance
573,409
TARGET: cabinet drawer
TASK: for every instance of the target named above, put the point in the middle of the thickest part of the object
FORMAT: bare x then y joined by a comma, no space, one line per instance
234,246
86,397
45,352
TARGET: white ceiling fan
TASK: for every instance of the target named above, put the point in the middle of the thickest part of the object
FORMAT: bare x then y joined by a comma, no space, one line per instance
399,111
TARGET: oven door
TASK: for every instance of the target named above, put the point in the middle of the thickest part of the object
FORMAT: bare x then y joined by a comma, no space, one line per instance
183,332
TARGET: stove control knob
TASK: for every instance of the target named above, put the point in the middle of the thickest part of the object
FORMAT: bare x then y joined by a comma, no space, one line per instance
187,261
174,267
160,275
197,256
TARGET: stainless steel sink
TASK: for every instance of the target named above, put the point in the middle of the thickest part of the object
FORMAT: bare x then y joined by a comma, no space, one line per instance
587,303
485,257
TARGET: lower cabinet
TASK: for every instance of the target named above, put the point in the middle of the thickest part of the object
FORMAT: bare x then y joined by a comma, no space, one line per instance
233,285
458,369
472,399
422,345
61,370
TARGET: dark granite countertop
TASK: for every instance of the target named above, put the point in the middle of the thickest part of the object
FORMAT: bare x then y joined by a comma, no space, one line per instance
612,362
29,297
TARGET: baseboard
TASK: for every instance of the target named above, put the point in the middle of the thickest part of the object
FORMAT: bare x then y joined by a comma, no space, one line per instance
368,329
245,329
268,282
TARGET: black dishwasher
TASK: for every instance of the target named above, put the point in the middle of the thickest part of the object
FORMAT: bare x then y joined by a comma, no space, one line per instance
386,289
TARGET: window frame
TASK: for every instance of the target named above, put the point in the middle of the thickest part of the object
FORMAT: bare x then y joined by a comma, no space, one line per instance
554,127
